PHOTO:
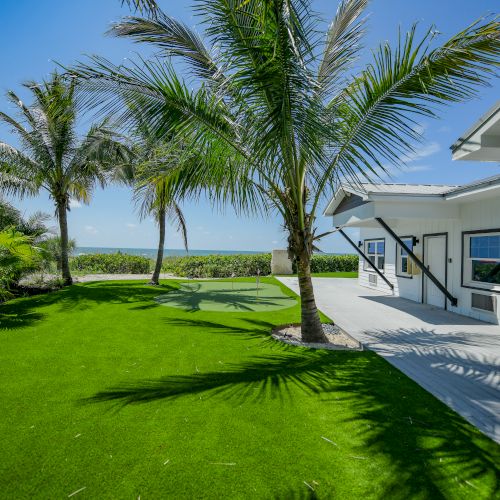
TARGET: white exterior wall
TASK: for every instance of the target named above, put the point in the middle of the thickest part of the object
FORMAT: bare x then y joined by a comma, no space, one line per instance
478,215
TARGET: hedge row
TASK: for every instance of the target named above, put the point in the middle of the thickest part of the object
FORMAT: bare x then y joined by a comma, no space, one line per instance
224,266
218,266
334,263
113,263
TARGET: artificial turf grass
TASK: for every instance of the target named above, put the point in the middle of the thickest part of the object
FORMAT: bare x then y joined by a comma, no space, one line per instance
227,296
103,389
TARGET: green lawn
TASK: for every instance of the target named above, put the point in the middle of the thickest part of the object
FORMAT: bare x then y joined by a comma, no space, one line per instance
106,392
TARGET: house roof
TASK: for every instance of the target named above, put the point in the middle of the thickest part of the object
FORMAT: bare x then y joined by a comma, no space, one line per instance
481,141
373,191
409,189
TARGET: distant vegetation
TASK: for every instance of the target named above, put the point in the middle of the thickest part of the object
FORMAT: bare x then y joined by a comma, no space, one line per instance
224,266
114,263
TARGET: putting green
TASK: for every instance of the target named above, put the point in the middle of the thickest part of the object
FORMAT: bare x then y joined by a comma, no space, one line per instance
224,296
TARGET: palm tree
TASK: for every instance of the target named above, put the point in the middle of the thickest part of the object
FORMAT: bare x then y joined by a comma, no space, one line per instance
51,157
286,110
154,187
155,197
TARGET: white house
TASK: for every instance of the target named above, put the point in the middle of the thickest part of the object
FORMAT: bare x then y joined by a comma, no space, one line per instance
436,244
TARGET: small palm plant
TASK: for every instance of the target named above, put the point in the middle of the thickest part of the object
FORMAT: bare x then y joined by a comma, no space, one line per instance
278,111
51,157
18,255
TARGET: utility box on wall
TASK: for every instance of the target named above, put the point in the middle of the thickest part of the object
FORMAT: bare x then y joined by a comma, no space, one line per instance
280,263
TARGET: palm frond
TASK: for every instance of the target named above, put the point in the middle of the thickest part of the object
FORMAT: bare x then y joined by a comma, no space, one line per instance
174,38
376,118
175,215
144,6
342,44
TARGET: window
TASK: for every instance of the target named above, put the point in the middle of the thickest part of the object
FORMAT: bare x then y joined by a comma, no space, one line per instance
375,251
482,259
403,261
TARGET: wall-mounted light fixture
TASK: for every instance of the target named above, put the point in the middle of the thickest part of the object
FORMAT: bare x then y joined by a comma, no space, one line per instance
360,244
416,241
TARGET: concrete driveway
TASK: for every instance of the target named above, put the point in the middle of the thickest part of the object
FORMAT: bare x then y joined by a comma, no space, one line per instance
454,357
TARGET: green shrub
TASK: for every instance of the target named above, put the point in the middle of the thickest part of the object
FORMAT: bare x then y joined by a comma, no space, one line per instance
113,263
334,263
223,266
218,266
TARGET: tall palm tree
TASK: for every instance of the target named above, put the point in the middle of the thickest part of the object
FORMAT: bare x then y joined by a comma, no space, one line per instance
155,197
51,157
276,104
149,173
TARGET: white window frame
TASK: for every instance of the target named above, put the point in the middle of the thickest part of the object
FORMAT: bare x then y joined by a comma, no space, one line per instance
399,258
467,262
376,255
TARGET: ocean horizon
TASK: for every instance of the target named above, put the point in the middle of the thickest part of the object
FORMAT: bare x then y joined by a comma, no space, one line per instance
168,252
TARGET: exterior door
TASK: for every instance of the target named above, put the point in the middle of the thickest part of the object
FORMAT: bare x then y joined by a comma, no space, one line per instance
435,261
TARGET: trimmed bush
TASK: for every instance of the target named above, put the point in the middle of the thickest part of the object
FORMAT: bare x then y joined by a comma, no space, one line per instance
223,266
334,263
218,266
113,263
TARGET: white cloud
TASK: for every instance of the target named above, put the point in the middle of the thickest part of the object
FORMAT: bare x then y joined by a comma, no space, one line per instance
74,203
444,129
422,152
91,230
130,225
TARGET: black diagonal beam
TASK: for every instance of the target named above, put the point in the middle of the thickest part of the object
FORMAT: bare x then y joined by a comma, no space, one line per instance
418,262
367,260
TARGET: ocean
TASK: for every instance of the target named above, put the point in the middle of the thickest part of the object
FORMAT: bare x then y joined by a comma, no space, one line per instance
151,252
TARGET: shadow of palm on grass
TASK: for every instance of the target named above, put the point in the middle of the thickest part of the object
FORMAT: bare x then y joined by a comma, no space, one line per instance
223,297
385,411
18,315
28,311
258,379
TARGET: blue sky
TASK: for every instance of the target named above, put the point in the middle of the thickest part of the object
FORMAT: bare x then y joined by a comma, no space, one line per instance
34,34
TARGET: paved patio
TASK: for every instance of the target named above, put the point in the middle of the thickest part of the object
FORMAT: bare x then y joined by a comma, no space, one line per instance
454,357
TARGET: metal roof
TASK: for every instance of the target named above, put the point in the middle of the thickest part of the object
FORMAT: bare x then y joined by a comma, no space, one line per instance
404,189
370,191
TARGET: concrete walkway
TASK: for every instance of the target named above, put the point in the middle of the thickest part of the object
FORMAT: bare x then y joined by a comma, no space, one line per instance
454,357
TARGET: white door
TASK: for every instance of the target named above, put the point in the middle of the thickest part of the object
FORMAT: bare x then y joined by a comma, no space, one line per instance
435,261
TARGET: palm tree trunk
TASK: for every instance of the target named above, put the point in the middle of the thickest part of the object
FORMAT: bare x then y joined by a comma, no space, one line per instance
311,328
159,257
62,215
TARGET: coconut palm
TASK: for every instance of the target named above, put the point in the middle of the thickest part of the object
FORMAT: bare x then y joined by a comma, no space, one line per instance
51,158
270,101
154,187
155,197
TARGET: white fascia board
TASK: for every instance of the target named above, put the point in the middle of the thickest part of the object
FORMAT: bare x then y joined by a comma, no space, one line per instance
482,141
488,191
